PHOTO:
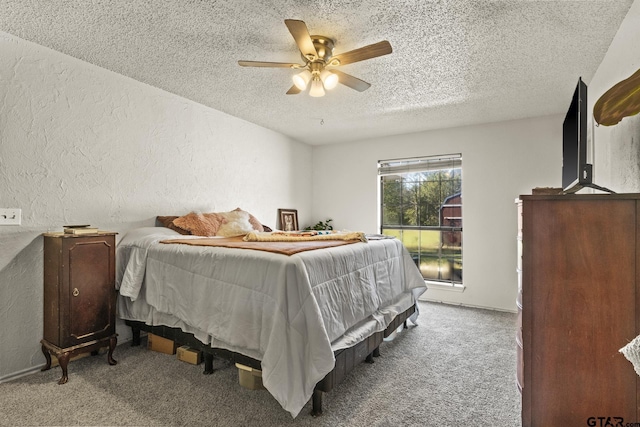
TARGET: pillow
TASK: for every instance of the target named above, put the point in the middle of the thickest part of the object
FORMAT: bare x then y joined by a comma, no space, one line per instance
234,223
200,224
209,224
167,221
257,225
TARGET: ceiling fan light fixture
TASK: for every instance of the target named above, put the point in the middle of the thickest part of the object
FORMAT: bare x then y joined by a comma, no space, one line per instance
317,54
317,89
302,79
329,79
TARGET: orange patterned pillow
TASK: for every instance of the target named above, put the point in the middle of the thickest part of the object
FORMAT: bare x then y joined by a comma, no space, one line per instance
199,224
234,223
257,225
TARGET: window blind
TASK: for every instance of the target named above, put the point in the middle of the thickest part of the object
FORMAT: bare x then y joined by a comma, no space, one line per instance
419,164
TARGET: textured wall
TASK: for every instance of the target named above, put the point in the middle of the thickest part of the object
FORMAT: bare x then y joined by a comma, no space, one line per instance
500,161
79,144
616,161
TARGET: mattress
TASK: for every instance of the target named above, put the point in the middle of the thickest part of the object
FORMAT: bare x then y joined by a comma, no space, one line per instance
289,312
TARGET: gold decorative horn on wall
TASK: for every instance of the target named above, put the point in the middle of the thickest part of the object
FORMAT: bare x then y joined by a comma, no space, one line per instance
622,100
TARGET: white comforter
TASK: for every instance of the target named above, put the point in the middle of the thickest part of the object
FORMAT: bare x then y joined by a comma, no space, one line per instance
289,312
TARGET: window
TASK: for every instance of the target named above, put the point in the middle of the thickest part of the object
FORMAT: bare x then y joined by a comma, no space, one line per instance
421,204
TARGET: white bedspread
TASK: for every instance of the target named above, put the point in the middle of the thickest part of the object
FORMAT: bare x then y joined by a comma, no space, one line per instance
289,312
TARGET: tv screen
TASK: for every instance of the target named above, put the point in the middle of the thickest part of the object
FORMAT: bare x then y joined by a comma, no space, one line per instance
576,173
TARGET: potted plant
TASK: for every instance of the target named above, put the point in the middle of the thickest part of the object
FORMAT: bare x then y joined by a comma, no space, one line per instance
319,226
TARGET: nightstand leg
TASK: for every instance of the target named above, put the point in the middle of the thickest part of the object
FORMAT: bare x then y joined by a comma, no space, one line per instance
63,360
47,356
112,345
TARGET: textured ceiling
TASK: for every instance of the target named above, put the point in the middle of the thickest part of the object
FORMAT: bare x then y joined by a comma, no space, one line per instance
454,62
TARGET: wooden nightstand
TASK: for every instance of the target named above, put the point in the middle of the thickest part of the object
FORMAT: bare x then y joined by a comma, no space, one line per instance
79,296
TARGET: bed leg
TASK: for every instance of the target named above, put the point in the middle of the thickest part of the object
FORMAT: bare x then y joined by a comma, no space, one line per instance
316,410
405,325
369,358
208,364
376,352
135,339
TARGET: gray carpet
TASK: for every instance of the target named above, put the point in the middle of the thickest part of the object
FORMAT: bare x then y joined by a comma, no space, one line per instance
457,367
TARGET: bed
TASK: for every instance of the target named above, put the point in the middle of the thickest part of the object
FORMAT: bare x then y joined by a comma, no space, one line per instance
303,319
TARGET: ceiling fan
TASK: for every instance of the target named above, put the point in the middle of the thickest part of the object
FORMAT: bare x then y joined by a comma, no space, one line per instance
318,57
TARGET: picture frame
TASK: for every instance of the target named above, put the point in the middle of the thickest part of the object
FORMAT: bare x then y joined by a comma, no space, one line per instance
288,219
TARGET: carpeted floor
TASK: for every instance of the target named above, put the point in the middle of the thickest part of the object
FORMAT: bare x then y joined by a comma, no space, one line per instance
457,367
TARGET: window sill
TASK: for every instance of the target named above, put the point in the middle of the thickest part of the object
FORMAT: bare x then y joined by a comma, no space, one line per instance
454,287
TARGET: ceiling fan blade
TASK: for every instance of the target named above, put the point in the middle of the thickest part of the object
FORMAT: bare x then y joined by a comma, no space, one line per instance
352,82
293,90
269,64
366,52
300,33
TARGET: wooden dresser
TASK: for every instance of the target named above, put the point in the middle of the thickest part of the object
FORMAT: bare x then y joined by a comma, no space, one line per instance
580,301
79,296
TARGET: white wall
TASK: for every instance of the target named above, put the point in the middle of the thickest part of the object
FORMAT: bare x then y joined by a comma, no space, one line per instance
500,162
80,144
617,148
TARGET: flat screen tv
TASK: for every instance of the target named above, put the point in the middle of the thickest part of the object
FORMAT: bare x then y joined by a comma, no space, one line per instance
576,172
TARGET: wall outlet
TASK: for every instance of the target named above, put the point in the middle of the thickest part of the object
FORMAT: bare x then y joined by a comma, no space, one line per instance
10,216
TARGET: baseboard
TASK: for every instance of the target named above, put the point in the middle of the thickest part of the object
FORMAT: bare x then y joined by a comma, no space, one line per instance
33,369
423,298
22,373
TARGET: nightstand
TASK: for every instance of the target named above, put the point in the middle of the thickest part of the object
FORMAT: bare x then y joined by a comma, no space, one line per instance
79,296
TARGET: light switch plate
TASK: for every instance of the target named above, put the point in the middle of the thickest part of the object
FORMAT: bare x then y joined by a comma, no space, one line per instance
10,216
